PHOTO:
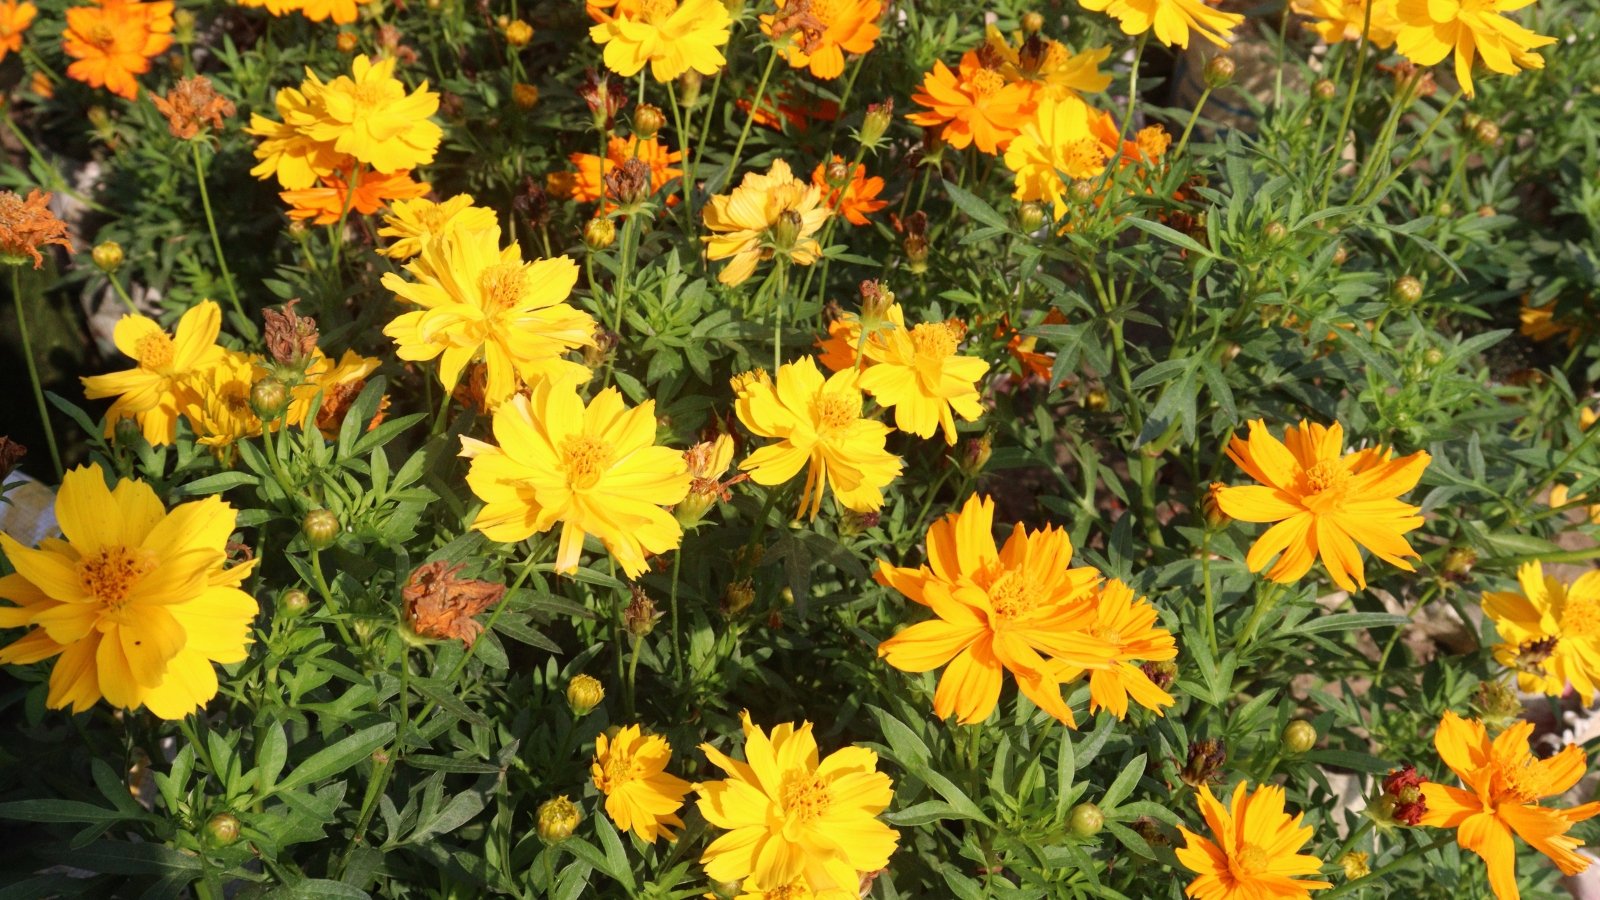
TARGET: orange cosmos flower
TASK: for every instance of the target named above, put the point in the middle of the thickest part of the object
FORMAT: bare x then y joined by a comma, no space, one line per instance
974,104
587,184
1046,67
848,26
14,20
325,205
1024,347
113,41
1507,782
1019,608
1324,501
1256,851
1128,625
855,199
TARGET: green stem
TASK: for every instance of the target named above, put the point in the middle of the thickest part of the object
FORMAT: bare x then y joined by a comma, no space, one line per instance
672,601
1266,598
1211,599
687,177
122,293
761,90
633,674
1193,117
1421,147
777,313
1377,875
1349,106
33,372
211,224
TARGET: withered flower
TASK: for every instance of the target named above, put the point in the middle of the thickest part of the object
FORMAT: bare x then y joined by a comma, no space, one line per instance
291,338
1402,795
532,202
11,453
440,605
27,225
1206,759
191,106
605,96
796,18
389,45
1161,674
641,615
629,183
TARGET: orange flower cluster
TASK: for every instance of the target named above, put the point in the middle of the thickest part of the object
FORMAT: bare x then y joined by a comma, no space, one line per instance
342,12
588,183
114,40
853,195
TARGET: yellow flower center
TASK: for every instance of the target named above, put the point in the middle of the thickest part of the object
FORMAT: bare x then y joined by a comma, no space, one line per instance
236,397
1580,617
656,10
986,83
619,768
111,573
1085,158
101,36
797,891
828,11
936,340
836,412
1013,595
1110,635
155,351
805,797
1516,780
1325,483
1055,56
432,220
1250,860
370,96
585,459
501,286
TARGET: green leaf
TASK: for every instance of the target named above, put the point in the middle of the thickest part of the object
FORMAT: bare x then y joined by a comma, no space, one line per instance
1350,622
975,208
944,787
1171,236
42,811
332,760
216,484
118,858
1127,779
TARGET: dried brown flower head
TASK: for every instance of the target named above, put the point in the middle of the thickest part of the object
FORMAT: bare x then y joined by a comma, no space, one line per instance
1402,787
532,202
291,338
606,96
11,453
796,18
336,401
440,605
27,225
1206,759
629,183
641,615
191,106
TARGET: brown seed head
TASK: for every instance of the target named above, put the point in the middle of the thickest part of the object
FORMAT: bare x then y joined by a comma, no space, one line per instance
441,605
291,338
192,106
26,226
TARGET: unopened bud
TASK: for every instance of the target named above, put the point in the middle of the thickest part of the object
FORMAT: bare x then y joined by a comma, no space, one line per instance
1486,133
1086,820
1324,90
346,42
320,528
584,693
1340,255
837,173
648,120
1096,400
1407,290
640,617
294,603
689,88
1218,71
1433,357
525,96
1083,191
1486,211
268,399
1275,232
1458,562
599,233
852,523
787,230
1204,765
107,256
1032,23
876,123
916,248
1299,736
975,454
738,597
1030,216
518,33
1211,506
223,829
557,819
183,24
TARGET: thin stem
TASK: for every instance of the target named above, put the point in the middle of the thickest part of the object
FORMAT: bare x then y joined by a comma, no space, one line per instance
1211,599
777,313
1377,875
687,177
211,224
122,292
1193,117
1349,106
755,106
33,372
672,601
1416,152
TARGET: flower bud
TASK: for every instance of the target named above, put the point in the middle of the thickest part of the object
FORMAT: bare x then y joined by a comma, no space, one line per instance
1086,820
1458,563
787,230
1486,133
1324,90
518,33
975,454
852,523
1096,400
294,603
223,829
1218,71
1031,217
525,96
584,693
107,256
557,819
916,248
1407,290
346,42
837,174
1497,703
1340,255
1082,191
183,23
640,617
648,120
1354,864
269,398
738,597
1433,357
1032,23
1275,232
1207,756
1299,736
689,88
1487,212
876,122
1402,802
320,528
599,233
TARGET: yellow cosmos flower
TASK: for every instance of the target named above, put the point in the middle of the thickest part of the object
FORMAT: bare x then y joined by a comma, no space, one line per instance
848,26
1507,782
1254,853
1550,632
481,302
819,428
286,151
218,404
136,601
414,224
1342,20
1324,501
1057,141
368,115
1171,19
1020,608
596,469
630,769
672,37
791,817
919,375
1046,67
155,391
1129,627
795,890
1430,29
765,215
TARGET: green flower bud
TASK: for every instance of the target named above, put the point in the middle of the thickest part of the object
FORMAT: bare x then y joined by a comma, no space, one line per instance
321,528
223,829
1086,820
1299,736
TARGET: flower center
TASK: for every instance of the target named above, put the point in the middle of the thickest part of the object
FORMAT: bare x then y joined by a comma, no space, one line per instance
835,412
1327,477
1580,618
1013,596
986,83
1516,780
1110,635
101,36
111,573
1250,860
585,459
656,10
934,339
805,797
827,11
1085,158
501,286
619,769
155,351
370,95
